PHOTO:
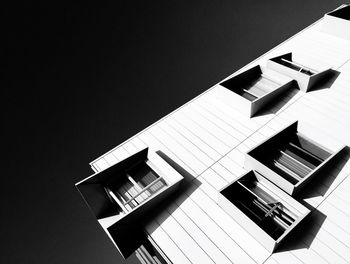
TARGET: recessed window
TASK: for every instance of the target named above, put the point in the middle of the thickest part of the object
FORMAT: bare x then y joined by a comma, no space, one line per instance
139,184
124,195
253,89
306,76
297,157
289,158
253,199
270,214
295,66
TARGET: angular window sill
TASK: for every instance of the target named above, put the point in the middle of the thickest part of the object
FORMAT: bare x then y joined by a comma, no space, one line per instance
306,77
262,209
289,159
126,192
253,89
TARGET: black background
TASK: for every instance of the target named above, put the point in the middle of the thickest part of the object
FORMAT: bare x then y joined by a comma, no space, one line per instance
84,77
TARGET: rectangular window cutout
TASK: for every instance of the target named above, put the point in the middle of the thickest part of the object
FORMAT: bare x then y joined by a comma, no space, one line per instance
289,159
126,192
261,208
253,89
139,184
296,66
306,76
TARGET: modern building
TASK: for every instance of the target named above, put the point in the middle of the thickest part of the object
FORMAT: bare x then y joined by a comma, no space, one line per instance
253,170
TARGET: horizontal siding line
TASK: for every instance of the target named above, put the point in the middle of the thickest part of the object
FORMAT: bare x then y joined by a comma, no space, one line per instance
203,233
342,209
320,260
189,135
197,253
334,99
329,236
242,128
219,131
319,60
185,143
177,159
326,109
170,215
331,218
202,159
175,253
344,63
238,135
217,226
159,227
220,209
169,150
324,132
193,162
320,43
328,41
329,258
208,90
189,197
208,137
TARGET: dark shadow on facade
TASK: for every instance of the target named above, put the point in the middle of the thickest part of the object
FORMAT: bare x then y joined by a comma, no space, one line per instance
304,234
126,196
278,103
320,184
327,81
156,215
186,188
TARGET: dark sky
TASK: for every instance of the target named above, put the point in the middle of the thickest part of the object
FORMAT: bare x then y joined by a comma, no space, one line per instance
83,78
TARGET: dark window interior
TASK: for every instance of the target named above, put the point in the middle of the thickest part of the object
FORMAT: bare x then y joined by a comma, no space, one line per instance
293,65
293,157
136,185
260,206
343,13
251,84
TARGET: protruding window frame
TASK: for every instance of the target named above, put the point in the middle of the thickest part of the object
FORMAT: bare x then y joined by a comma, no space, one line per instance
229,199
232,91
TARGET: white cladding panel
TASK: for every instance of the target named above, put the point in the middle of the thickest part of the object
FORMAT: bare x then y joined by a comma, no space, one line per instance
208,139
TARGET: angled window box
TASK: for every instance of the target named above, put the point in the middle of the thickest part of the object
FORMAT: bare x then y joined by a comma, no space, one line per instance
289,159
125,194
304,75
253,89
261,208
337,22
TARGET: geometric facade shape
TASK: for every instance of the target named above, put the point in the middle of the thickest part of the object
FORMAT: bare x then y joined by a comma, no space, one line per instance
306,77
126,191
253,89
261,208
289,159
209,140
